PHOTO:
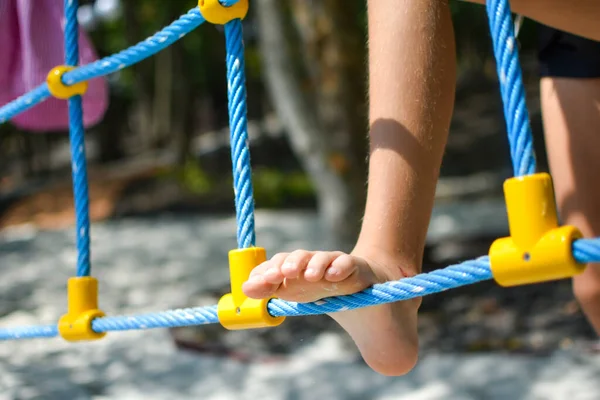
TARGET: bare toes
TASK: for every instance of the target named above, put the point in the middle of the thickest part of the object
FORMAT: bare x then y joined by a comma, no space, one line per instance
318,264
341,268
264,280
258,288
295,263
271,269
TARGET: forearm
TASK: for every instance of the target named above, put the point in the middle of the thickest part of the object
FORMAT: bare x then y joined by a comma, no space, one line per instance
411,88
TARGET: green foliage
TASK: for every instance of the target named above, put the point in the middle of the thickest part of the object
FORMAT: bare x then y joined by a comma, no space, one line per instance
193,178
273,188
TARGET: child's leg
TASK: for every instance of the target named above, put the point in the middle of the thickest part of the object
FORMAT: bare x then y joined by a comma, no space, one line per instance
570,96
412,77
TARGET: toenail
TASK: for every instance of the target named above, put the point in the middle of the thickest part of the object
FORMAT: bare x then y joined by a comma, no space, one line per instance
332,271
256,279
287,265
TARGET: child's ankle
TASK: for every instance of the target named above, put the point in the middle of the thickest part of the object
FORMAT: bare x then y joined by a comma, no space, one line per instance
387,265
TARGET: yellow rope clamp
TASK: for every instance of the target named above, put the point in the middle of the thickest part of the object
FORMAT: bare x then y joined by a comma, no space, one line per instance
216,13
76,325
58,89
538,250
236,310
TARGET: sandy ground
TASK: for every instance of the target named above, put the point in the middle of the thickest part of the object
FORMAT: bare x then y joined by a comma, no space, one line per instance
154,264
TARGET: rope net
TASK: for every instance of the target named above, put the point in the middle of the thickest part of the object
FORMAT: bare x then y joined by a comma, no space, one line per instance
454,276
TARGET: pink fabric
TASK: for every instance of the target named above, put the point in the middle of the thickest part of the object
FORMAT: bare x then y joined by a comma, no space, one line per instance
31,44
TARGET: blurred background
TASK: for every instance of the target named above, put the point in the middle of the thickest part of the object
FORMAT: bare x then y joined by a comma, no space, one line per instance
163,142
161,196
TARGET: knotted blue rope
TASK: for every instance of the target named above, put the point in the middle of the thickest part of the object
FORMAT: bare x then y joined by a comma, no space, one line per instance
77,141
238,125
511,87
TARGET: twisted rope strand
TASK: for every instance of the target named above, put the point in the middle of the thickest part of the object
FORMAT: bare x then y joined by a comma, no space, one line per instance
466,273
77,144
511,87
240,150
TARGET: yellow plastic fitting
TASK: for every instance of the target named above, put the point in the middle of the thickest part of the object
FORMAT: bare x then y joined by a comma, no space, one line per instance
216,13
538,250
58,89
76,325
237,311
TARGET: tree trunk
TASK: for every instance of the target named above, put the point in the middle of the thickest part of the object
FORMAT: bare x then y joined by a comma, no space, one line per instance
324,118
142,107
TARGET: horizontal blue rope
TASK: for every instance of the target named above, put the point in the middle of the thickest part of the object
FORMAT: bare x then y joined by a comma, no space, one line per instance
228,3
451,277
159,41
29,332
23,103
165,319
466,273
587,250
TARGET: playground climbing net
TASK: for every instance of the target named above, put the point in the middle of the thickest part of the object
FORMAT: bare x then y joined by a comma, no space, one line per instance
537,250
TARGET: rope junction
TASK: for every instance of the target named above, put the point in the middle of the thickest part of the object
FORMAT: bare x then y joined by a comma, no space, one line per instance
82,296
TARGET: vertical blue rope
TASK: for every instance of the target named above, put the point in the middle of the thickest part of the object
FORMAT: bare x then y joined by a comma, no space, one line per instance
511,87
238,125
76,136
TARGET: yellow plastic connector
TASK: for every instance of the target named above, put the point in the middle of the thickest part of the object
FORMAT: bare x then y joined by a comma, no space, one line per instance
538,250
235,310
58,89
216,13
76,325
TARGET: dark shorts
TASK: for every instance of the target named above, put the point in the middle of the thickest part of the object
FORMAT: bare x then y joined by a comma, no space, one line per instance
563,55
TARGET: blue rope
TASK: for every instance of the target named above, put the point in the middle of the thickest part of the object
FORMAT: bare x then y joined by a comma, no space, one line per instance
169,319
240,150
77,141
24,102
469,272
511,87
587,250
451,277
228,3
29,332
159,41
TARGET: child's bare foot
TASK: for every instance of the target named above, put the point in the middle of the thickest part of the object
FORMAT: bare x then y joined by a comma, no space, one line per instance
386,335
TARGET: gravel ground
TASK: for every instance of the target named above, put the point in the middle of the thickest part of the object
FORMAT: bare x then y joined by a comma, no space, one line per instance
478,342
